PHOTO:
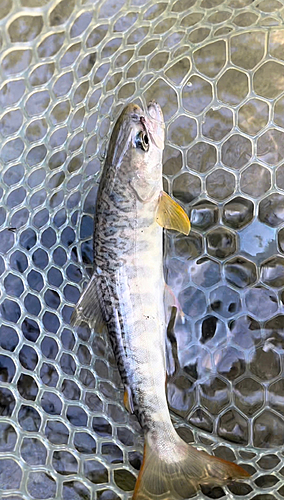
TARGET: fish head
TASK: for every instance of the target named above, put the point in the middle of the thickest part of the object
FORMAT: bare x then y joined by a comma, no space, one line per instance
138,137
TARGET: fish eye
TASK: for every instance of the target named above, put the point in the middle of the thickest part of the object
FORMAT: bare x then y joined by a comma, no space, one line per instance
142,141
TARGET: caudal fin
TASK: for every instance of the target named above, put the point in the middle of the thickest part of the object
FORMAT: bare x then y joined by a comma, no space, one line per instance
182,479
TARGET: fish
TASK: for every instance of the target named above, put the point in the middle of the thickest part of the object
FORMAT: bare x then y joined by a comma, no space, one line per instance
126,298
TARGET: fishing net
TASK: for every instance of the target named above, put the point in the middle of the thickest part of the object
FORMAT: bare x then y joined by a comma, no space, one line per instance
67,69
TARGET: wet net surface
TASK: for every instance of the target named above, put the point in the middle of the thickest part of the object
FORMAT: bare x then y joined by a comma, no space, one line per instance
67,68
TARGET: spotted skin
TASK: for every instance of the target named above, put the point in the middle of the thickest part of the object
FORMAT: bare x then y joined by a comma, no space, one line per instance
129,290
128,251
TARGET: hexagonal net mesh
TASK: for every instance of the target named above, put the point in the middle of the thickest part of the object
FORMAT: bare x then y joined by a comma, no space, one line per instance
67,69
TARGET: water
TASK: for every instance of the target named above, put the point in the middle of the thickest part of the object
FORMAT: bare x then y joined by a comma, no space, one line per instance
67,69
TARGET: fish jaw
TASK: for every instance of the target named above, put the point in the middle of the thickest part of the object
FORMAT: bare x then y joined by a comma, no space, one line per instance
155,124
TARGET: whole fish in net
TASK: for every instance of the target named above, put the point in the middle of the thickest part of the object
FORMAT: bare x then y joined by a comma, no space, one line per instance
126,298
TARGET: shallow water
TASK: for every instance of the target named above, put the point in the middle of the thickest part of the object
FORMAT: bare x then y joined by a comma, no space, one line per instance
67,69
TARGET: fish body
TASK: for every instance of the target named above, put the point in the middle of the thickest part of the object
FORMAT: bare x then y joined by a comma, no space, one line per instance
128,250
126,297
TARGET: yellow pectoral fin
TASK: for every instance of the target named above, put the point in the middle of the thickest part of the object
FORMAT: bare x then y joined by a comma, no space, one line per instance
171,215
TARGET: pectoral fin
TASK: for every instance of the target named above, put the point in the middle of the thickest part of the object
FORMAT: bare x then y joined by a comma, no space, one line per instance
171,215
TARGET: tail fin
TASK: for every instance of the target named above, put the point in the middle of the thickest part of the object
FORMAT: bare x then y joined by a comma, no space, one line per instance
182,479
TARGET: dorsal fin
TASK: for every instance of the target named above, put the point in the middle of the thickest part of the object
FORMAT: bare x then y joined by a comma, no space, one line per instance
88,308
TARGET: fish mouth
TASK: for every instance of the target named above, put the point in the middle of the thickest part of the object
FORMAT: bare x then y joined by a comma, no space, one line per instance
155,112
152,121
156,125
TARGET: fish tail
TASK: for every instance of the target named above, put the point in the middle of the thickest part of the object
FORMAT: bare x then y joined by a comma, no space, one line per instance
176,479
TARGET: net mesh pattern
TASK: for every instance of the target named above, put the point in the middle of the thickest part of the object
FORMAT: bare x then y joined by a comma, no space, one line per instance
67,69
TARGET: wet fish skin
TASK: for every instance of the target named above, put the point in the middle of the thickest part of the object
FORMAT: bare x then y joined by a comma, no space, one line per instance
130,259
126,297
